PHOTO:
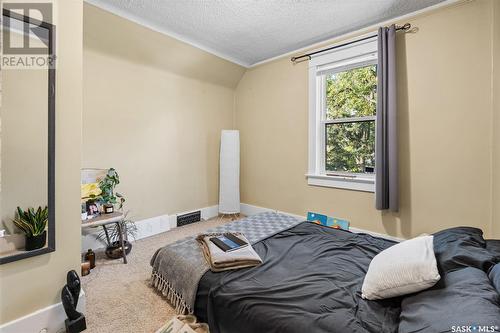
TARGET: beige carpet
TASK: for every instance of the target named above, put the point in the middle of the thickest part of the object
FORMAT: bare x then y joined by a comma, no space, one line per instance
118,296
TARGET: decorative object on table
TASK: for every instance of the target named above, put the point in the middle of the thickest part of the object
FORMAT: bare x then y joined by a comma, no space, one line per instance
84,214
108,209
90,190
85,266
90,204
90,257
33,224
92,209
229,173
99,191
108,195
92,175
127,228
70,293
100,187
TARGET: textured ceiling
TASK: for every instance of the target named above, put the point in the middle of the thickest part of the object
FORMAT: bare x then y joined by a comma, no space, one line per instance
250,31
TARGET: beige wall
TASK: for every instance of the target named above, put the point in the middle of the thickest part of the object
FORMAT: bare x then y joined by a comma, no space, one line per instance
24,142
445,103
34,283
154,112
496,120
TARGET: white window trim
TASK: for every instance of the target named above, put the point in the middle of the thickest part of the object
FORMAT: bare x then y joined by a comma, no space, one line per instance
350,56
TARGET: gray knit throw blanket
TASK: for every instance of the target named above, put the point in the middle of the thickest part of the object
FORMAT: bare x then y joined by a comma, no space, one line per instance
178,267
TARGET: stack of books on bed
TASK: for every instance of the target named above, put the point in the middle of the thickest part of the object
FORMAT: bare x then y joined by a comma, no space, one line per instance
228,251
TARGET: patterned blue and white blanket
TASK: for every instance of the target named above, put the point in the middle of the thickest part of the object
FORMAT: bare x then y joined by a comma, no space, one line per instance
178,267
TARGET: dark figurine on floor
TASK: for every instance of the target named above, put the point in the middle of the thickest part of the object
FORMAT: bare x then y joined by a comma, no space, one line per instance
69,297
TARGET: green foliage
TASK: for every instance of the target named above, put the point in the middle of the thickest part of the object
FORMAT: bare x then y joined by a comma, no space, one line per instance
107,186
351,146
31,222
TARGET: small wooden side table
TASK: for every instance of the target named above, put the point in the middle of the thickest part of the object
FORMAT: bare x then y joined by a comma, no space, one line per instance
105,219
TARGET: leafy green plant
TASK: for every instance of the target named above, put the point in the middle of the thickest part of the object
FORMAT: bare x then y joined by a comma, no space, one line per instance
31,222
107,186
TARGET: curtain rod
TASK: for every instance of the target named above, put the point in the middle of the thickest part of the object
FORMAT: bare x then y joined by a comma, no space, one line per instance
405,27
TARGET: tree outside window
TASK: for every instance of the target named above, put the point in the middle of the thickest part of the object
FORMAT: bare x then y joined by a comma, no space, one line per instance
349,120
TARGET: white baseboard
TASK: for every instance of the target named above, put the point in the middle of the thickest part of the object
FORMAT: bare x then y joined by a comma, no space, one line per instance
47,320
209,212
152,226
248,210
145,228
376,234
206,213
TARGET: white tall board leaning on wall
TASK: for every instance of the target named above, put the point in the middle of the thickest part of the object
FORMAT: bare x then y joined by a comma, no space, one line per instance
229,172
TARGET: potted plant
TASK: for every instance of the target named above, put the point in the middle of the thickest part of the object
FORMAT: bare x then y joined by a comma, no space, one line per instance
33,224
108,196
114,250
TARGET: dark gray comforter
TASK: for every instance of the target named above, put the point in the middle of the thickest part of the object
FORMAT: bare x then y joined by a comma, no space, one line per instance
311,280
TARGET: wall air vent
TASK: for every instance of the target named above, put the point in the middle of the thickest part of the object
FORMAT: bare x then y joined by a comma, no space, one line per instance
188,218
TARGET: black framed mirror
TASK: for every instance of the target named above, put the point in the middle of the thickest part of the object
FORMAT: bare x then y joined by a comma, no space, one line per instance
27,137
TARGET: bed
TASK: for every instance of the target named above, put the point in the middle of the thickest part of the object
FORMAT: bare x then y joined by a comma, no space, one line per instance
310,281
311,278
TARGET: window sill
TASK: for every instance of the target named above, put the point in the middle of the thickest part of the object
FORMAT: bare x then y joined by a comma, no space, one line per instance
365,184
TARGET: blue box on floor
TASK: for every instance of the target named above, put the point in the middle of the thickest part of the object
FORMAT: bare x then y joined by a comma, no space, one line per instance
318,218
328,221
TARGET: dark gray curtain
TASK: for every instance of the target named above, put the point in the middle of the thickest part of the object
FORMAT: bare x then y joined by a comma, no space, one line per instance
386,136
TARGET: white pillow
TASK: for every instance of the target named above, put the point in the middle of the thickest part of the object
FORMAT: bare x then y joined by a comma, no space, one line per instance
401,269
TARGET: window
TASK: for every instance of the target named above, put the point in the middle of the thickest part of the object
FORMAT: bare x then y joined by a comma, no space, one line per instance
349,120
343,100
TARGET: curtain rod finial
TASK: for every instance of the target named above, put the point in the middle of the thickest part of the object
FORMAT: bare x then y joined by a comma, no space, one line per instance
406,26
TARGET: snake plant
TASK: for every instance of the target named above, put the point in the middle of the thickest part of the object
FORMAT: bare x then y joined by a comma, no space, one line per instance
31,222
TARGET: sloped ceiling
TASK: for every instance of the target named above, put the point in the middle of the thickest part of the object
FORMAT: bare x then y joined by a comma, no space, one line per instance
249,31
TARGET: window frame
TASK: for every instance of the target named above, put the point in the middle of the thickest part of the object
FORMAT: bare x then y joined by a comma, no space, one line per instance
349,57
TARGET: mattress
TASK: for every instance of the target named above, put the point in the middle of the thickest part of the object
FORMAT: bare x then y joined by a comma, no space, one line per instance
311,278
310,281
